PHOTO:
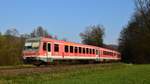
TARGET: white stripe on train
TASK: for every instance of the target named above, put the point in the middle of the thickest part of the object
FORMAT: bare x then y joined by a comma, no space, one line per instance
72,57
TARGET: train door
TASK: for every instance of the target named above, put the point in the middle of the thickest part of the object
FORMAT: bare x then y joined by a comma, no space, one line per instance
97,53
49,50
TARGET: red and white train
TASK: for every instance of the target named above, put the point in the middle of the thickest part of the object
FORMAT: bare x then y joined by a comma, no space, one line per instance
46,50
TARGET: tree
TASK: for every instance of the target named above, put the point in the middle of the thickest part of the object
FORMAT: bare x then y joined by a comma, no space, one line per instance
128,41
143,7
93,35
12,32
40,32
134,42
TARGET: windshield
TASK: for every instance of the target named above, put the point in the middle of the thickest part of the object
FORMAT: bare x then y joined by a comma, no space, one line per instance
31,46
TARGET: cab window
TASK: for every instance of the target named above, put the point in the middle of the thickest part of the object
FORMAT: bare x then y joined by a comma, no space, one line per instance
44,46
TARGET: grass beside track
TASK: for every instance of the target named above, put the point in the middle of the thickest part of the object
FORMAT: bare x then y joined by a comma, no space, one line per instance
16,67
84,74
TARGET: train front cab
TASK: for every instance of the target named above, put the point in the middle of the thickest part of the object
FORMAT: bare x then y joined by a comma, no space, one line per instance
36,51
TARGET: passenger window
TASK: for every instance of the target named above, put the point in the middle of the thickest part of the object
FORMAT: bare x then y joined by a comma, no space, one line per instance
83,50
93,51
76,49
79,49
49,47
108,53
56,47
44,46
90,51
71,49
87,51
66,48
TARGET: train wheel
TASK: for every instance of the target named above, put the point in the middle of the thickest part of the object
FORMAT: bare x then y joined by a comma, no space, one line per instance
56,62
37,63
91,62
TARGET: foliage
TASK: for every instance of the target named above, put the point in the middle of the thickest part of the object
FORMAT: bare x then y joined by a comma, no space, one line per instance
11,50
93,35
134,41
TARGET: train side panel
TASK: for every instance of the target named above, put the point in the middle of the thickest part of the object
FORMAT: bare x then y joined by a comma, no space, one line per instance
50,50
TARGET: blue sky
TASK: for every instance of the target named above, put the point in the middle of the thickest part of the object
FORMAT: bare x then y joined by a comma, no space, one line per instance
66,18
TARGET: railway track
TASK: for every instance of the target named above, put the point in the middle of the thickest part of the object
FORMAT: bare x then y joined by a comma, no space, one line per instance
27,70
18,70
33,67
15,67
36,67
12,71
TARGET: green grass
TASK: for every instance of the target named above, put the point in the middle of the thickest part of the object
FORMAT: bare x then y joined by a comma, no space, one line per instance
96,74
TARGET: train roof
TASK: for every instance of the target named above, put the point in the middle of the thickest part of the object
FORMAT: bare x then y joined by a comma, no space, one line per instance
66,42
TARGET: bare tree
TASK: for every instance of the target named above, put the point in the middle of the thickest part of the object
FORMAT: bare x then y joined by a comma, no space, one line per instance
143,7
40,32
12,32
93,35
